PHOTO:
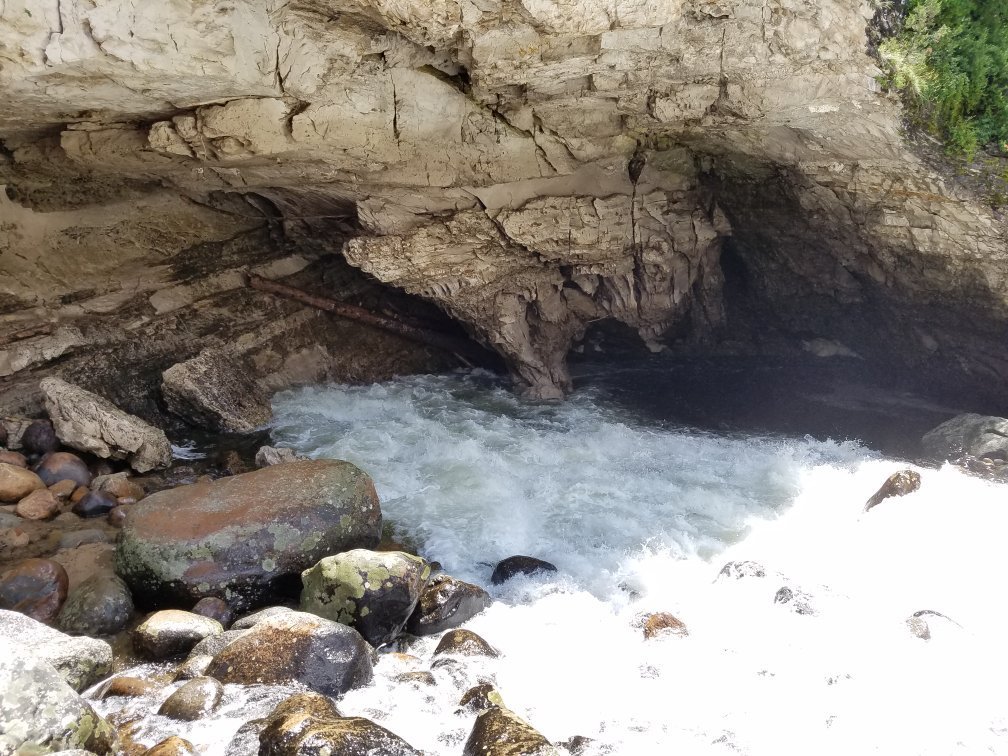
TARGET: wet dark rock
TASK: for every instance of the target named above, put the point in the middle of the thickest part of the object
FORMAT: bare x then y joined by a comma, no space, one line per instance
57,466
125,686
968,435
39,438
214,608
578,745
374,592
38,505
101,605
196,698
307,726
214,390
245,741
446,603
519,565
796,600
34,587
196,664
13,458
3,434
325,656
17,482
81,662
462,642
898,484
663,623
500,732
172,632
739,570
480,697
247,537
173,746
95,504
41,713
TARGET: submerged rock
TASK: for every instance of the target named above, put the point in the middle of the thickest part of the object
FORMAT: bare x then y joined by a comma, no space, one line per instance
196,698
95,504
306,725
34,587
41,713
919,623
80,661
519,565
244,538
739,570
796,600
446,603
101,605
500,732
171,632
38,505
374,592
125,686
322,655
59,466
91,423
214,390
898,484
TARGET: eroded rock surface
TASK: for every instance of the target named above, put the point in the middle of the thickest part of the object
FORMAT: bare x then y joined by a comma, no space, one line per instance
529,167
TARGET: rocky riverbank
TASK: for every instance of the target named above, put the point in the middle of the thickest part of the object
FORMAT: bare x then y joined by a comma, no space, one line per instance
132,591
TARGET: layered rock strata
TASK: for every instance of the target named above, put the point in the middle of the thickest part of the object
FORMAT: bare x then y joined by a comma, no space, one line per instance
530,166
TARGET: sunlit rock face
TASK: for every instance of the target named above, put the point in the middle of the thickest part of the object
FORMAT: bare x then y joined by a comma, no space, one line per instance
529,166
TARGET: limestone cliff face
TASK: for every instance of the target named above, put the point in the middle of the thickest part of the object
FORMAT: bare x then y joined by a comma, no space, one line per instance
530,166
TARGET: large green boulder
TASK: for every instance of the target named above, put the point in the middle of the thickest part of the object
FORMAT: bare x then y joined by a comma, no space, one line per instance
375,592
245,538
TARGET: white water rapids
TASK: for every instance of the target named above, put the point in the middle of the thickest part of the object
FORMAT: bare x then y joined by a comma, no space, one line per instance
640,518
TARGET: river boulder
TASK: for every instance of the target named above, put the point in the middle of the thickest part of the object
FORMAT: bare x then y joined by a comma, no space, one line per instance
519,565
172,632
324,656
91,423
446,602
245,538
41,713
375,592
500,732
100,605
17,482
968,435
306,724
80,661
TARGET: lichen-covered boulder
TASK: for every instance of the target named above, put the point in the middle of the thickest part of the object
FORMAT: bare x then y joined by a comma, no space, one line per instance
500,732
81,662
445,603
375,592
171,632
245,538
40,713
91,423
324,656
306,725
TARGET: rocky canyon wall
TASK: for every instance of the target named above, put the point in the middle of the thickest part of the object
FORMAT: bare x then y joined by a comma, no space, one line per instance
531,167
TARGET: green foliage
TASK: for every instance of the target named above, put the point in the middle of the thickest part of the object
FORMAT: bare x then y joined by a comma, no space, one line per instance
951,63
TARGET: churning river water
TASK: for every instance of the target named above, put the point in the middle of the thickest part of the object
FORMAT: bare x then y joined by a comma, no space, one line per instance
640,516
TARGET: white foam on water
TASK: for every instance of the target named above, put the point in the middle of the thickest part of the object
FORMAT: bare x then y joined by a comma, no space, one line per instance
640,518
